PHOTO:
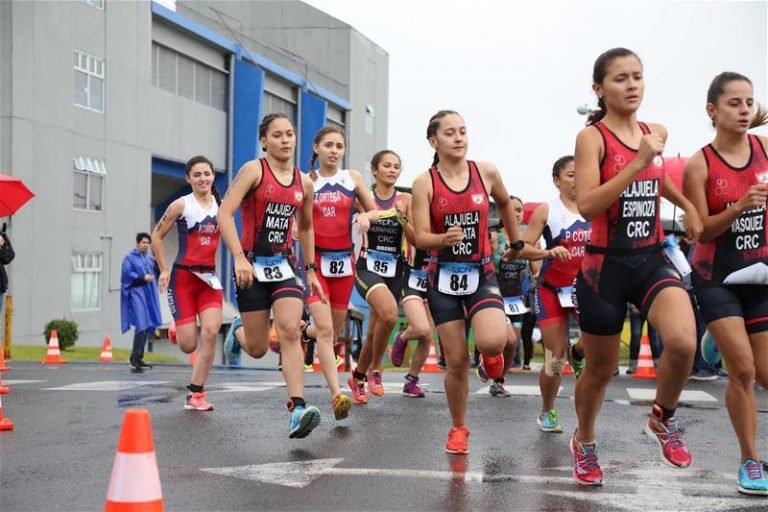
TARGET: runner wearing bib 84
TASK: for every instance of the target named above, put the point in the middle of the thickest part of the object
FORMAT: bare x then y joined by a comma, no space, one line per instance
450,214
272,192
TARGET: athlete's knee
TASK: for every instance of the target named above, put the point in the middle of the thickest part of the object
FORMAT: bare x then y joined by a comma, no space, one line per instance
388,317
323,332
457,365
287,330
209,332
420,331
255,350
742,375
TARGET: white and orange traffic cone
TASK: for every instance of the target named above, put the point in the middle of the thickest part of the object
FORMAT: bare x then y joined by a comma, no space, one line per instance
106,351
645,368
135,482
430,365
3,367
3,389
5,423
53,356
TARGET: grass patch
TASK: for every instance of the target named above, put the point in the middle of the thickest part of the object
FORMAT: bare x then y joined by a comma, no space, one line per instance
37,353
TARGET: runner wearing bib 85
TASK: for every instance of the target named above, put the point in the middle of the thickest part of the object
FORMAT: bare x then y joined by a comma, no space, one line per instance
336,191
450,215
620,179
726,181
566,234
194,290
270,192
380,273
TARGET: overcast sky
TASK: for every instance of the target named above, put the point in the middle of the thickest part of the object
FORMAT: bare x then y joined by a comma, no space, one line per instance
517,70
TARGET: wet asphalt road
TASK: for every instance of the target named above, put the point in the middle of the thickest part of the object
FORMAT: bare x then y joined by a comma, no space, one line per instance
388,455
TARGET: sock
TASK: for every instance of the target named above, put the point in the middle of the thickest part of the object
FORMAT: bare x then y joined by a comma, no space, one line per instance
411,378
499,380
357,375
662,413
295,402
194,388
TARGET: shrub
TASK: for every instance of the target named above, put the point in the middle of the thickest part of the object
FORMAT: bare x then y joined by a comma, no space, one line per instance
66,331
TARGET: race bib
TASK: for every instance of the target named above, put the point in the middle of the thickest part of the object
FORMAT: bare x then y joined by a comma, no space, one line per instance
458,279
515,306
381,263
418,280
209,278
272,268
336,264
565,296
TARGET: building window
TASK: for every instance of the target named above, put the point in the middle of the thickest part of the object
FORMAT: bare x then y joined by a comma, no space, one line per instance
89,82
89,183
86,281
99,4
186,77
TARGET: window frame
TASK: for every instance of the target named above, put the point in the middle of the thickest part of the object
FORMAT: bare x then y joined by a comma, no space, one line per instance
91,168
79,268
97,63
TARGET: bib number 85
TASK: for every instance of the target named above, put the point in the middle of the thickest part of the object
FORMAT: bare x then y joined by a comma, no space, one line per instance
381,266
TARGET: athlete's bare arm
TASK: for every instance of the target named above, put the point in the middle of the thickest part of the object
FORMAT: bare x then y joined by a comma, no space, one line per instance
404,211
535,229
365,198
307,235
169,218
422,226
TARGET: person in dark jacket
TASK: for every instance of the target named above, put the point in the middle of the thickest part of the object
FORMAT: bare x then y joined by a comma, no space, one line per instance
6,256
139,298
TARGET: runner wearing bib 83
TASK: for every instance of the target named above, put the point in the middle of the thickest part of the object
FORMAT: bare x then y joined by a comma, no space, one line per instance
271,192
450,215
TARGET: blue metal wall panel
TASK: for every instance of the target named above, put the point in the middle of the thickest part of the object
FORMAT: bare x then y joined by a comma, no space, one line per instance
313,117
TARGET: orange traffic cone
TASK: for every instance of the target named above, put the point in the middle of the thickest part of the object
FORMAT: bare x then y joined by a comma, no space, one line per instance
645,369
5,423
567,370
106,351
53,356
135,482
430,365
3,389
3,367
316,367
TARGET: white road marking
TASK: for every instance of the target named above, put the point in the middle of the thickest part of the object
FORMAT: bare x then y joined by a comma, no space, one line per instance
107,385
20,381
686,396
517,390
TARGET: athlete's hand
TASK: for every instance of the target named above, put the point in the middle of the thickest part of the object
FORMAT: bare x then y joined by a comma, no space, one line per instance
315,286
509,255
651,145
560,253
400,209
754,197
693,226
453,236
163,280
245,274
363,223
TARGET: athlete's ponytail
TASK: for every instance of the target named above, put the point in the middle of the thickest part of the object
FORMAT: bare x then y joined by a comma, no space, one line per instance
760,118
215,193
599,71
717,89
434,124
312,171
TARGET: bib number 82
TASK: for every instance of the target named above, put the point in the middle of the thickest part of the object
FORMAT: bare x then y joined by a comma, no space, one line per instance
336,267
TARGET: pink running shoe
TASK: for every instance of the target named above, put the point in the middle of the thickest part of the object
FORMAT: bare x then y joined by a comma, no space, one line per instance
669,435
358,390
196,402
374,383
586,470
398,349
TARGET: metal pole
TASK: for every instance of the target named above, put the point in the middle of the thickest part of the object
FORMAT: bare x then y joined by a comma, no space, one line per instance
8,326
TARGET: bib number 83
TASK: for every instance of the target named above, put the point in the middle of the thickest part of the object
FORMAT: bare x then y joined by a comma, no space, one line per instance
273,274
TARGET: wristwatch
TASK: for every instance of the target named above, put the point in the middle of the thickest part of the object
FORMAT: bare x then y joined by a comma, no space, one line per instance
516,246
310,266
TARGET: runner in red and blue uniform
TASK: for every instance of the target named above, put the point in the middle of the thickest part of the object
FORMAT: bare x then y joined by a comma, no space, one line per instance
566,234
271,192
336,191
726,181
450,216
620,179
194,289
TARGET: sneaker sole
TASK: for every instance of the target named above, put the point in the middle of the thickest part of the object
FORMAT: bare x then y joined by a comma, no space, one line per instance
194,408
341,410
412,395
649,431
457,452
558,429
309,421
596,483
752,492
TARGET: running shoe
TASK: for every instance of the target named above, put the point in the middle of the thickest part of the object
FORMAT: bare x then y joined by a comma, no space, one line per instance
341,404
497,389
441,363
703,374
358,390
480,371
549,421
143,365
196,402
586,470
709,351
457,440
232,349
576,366
308,368
398,349
752,478
374,383
303,420
669,435
135,366
413,388
493,365
526,368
